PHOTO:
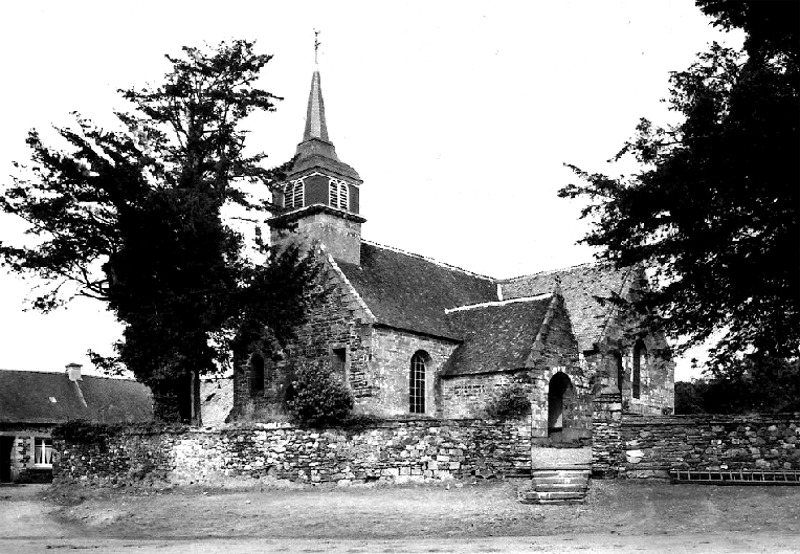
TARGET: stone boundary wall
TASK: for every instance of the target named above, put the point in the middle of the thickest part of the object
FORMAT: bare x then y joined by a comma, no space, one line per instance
246,455
640,447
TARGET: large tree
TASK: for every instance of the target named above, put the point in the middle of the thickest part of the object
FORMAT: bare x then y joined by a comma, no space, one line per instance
714,209
133,218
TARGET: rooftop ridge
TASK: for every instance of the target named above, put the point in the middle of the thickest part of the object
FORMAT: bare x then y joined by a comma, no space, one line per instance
430,260
551,271
500,303
51,372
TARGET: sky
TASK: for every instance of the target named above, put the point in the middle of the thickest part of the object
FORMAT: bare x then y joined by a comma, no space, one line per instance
459,116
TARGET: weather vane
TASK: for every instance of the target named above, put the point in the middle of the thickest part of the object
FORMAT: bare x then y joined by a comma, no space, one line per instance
316,46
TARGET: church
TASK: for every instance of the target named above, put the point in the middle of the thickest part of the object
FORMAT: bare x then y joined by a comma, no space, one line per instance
412,337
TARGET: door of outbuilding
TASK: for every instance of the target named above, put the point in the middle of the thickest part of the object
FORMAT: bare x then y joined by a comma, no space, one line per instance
6,447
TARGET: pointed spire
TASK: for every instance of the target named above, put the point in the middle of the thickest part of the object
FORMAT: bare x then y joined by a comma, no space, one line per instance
316,149
316,126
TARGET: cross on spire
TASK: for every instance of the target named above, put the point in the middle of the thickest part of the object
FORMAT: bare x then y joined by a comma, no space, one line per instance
316,46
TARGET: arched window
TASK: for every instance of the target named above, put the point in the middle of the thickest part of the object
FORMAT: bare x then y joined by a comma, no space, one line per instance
339,194
294,195
416,384
256,373
639,356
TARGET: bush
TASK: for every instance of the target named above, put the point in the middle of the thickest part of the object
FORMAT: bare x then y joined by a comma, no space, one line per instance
511,402
317,398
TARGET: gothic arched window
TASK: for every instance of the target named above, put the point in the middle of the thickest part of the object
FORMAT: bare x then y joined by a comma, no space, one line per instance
294,195
639,356
339,194
416,384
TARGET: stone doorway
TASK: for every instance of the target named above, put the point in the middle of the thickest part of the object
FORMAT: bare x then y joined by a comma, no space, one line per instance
560,397
6,447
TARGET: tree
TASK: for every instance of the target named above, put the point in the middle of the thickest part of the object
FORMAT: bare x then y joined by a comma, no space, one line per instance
714,211
133,218
773,386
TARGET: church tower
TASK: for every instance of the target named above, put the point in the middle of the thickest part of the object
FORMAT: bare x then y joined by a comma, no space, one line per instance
320,196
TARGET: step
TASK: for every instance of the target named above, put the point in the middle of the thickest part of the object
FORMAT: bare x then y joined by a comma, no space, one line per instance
552,498
562,487
585,473
554,480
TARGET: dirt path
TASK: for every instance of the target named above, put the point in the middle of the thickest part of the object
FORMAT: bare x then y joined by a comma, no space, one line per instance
24,514
561,544
618,517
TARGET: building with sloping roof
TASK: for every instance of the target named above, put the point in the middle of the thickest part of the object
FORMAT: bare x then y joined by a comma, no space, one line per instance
414,337
33,403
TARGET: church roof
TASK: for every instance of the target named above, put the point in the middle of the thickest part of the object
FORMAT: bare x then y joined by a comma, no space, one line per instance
499,336
410,292
28,397
581,286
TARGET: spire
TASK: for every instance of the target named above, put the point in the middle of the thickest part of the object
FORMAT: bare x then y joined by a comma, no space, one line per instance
316,150
316,126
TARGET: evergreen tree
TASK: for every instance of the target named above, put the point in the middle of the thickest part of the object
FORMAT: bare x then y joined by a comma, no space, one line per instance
715,208
133,218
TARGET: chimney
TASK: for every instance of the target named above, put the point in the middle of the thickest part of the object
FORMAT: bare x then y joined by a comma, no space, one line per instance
74,372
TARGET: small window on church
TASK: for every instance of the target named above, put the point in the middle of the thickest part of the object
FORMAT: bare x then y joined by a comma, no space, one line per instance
256,373
639,356
339,361
416,394
294,195
620,370
339,194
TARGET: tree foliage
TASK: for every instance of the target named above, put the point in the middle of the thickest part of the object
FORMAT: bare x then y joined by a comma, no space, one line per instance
133,217
715,208
769,386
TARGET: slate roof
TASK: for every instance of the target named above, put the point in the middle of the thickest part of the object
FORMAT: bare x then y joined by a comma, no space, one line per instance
579,287
497,337
26,397
410,292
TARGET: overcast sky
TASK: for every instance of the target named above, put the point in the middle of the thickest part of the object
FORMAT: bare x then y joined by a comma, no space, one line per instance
458,116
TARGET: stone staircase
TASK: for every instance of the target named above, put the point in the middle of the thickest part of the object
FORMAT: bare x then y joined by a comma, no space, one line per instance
557,486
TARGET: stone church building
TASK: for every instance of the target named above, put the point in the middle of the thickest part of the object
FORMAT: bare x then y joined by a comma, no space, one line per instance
414,337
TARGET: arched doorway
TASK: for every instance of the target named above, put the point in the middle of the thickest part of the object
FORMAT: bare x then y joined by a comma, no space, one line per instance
559,395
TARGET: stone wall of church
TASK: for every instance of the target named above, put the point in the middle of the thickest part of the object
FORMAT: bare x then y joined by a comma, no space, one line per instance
634,446
255,455
466,396
337,332
390,367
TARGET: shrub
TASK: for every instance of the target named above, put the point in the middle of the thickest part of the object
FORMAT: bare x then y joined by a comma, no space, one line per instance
317,398
510,402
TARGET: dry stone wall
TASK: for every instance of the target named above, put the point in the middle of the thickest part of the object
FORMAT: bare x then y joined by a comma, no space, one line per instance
641,447
244,456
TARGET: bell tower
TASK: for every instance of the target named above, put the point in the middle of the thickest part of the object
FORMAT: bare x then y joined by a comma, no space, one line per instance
320,197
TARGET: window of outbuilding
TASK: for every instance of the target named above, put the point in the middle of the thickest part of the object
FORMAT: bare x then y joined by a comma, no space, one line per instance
639,358
42,452
416,392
